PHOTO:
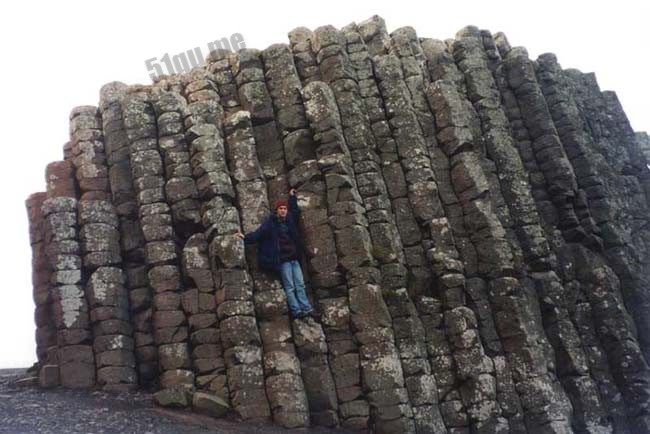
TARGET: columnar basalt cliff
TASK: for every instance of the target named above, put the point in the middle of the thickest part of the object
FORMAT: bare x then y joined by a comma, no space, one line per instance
476,233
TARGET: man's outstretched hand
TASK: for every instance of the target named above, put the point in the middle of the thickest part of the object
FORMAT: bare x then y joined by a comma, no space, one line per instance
292,192
239,235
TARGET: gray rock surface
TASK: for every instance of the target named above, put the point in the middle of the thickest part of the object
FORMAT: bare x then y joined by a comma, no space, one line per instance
475,225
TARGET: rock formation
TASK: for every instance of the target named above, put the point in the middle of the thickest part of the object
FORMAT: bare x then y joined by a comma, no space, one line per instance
476,227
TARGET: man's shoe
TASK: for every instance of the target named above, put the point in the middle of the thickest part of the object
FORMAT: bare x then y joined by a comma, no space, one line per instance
299,315
315,315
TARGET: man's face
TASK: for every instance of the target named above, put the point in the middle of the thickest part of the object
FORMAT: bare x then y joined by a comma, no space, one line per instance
282,211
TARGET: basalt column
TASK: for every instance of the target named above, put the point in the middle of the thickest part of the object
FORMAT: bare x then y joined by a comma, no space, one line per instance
239,334
509,302
370,321
161,251
303,55
582,282
224,79
284,386
45,335
413,179
549,153
484,404
202,114
103,277
631,197
116,147
187,161
612,178
410,334
336,68
571,361
320,267
333,300
284,89
74,355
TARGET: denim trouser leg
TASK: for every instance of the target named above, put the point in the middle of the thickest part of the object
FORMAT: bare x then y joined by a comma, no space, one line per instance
299,283
286,274
294,287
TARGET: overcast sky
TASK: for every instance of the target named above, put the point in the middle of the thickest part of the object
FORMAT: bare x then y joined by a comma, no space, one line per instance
56,57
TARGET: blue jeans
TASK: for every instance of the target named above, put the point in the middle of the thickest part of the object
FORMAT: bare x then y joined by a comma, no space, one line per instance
294,287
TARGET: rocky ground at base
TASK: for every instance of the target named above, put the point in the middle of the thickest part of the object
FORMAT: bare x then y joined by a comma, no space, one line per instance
28,409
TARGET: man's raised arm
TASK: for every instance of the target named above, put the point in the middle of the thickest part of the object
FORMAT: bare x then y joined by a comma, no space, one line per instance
293,204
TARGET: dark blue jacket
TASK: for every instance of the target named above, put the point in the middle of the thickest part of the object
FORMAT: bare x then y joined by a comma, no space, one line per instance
267,237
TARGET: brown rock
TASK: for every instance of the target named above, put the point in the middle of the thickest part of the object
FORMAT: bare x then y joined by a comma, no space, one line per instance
209,404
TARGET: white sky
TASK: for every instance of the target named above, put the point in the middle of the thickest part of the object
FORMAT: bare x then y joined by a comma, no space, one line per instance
58,56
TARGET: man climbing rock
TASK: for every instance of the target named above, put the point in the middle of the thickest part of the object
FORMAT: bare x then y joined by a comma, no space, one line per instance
278,251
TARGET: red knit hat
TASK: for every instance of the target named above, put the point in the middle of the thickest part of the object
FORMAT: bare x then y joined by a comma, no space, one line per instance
280,202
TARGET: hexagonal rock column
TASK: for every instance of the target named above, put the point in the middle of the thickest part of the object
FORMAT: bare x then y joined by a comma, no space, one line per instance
570,130
183,168
381,370
88,157
405,44
284,88
255,98
532,377
318,366
356,125
239,332
74,340
284,386
416,202
593,350
116,145
303,55
107,297
374,34
482,91
240,336
479,390
203,104
180,188
466,354
381,161
218,64
366,129
199,300
618,203
628,366
328,281
452,243
100,244
41,292
415,196
551,157
200,304
160,252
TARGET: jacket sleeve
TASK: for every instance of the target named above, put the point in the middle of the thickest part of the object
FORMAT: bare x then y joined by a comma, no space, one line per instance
260,232
293,207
